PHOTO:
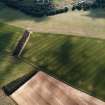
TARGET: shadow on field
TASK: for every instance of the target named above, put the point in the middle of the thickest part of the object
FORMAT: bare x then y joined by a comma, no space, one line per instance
62,67
98,80
63,54
17,15
5,39
71,74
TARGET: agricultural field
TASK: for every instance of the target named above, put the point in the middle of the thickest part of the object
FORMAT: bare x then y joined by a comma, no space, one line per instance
76,60
77,56
10,67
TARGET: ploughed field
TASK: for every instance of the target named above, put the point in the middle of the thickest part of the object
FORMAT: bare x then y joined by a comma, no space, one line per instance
44,90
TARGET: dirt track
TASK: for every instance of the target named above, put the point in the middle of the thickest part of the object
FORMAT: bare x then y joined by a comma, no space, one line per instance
45,90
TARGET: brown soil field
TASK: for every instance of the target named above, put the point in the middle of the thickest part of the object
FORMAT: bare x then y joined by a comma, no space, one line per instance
42,89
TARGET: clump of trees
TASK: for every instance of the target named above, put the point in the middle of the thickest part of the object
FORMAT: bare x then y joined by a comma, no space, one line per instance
57,11
33,7
86,4
37,8
99,4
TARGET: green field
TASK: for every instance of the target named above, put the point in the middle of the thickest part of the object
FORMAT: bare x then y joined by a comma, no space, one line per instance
10,67
76,60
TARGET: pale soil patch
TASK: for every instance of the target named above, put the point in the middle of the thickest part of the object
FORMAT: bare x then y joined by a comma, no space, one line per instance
75,23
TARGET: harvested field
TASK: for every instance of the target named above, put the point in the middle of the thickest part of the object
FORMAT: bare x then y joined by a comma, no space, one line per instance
42,89
78,61
78,23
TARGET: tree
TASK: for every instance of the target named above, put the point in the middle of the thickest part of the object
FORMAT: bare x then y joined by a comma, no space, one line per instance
42,7
99,4
32,7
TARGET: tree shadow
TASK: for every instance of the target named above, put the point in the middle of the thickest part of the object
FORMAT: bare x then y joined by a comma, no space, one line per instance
99,81
62,67
5,39
63,53
15,84
71,62
18,15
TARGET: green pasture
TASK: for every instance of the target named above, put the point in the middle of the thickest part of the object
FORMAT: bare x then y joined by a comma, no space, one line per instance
78,61
10,67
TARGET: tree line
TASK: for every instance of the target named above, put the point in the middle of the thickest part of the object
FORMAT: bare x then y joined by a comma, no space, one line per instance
37,8
33,7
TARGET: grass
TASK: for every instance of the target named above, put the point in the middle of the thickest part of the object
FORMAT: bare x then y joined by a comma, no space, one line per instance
8,37
10,68
76,60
